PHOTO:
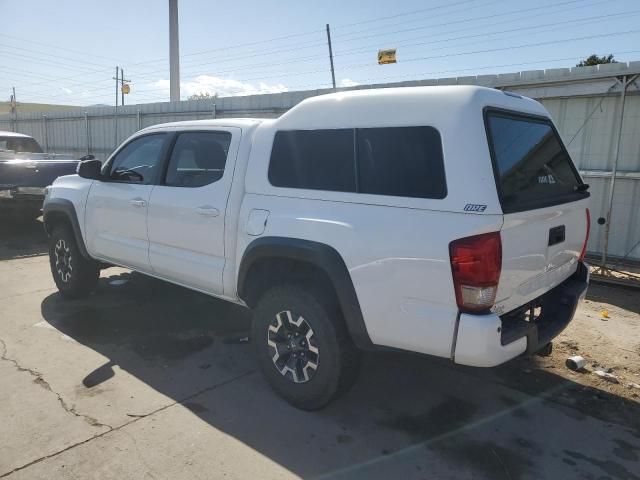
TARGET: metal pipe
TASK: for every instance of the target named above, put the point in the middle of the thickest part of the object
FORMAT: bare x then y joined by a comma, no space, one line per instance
174,55
115,116
46,134
139,120
624,83
86,130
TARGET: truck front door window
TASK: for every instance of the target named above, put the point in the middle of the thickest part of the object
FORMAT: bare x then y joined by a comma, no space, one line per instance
137,162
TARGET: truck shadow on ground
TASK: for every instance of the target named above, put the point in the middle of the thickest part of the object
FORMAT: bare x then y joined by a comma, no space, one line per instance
407,416
21,238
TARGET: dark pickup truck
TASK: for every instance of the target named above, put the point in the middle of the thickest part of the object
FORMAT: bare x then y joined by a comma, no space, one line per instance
25,172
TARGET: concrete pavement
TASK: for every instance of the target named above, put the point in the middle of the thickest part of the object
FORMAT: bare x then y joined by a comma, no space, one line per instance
149,380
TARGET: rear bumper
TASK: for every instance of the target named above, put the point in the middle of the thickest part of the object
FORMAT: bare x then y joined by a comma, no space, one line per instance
19,198
489,340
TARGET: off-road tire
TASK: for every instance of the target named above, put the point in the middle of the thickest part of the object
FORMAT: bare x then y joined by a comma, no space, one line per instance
338,359
77,276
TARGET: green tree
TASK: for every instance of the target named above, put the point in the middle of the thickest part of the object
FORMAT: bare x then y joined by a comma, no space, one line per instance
203,96
596,60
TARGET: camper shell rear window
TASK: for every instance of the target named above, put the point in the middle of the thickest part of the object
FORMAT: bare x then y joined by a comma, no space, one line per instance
531,165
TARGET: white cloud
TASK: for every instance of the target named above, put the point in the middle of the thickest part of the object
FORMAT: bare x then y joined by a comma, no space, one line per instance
224,87
68,91
347,82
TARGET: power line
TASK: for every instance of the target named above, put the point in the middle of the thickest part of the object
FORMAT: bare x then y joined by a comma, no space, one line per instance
310,32
57,57
412,12
297,44
485,67
49,45
218,60
514,47
577,22
464,20
411,20
351,67
490,26
148,95
36,60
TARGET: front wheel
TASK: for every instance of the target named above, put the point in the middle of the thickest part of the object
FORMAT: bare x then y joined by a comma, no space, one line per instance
303,346
74,275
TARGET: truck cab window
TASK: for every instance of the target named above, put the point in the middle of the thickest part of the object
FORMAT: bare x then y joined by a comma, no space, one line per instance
137,162
20,145
198,159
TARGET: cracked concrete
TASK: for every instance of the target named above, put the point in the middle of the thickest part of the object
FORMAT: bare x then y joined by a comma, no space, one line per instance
39,380
94,422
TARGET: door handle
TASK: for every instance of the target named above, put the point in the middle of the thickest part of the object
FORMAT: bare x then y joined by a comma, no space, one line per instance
137,202
207,211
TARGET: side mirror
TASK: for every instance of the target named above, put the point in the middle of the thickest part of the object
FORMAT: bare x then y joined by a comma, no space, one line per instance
88,157
90,169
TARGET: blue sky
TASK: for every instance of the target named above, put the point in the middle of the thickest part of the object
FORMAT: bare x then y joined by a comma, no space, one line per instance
66,51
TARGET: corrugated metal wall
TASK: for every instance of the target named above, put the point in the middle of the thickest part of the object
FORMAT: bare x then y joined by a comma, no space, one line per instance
584,102
593,150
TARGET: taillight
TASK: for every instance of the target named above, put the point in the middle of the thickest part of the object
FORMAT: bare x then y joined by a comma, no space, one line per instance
586,236
476,263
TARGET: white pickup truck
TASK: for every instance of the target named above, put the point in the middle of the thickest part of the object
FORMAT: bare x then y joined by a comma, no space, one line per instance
447,221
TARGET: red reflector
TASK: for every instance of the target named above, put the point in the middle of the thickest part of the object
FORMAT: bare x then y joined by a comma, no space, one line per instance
475,264
586,236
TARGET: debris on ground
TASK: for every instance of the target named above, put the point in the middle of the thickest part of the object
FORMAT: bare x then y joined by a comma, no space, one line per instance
236,340
609,377
570,344
575,363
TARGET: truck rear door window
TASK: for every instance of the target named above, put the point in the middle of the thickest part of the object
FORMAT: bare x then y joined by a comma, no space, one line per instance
198,159
531,165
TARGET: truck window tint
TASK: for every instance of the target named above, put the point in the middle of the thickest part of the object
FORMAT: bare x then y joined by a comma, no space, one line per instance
20,145
401,161
532,167
198,159
313,159
137,162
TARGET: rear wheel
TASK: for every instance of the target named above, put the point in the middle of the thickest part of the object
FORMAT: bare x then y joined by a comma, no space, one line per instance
74,275
303,346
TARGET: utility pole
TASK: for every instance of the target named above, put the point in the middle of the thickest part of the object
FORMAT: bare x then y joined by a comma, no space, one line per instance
14,110
115,112
174,53
117,79
333,73
122,81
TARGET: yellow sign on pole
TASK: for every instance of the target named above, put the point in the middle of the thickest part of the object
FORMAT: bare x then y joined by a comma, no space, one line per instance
126,88
387,56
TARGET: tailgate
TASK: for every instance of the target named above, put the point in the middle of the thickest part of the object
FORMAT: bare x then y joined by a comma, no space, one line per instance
34,173
544,202
540,249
